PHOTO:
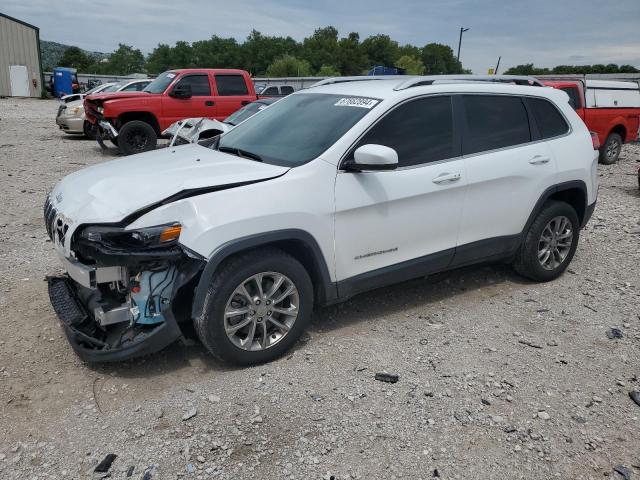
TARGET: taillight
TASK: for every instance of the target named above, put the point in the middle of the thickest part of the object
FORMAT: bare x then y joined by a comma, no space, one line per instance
595,140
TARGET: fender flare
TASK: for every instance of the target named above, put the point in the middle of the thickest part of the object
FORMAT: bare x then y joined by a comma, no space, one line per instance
327,290
551,191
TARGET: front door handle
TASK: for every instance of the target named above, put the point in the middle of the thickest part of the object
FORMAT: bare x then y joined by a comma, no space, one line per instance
539,160
209,103
446,178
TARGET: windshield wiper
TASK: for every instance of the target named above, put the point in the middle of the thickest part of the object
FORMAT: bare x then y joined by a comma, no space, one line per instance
240,153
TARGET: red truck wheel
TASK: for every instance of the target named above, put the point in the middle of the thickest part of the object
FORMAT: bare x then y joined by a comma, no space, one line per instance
136,137
610,151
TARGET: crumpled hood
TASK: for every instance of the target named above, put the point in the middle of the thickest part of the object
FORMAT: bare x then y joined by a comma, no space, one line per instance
110,191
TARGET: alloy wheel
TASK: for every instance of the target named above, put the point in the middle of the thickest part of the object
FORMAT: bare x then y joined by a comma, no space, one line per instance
555,242
261,311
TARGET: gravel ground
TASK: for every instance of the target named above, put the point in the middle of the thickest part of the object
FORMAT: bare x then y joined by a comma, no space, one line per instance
499,377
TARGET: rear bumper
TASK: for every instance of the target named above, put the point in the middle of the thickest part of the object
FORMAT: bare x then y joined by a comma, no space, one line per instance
78,322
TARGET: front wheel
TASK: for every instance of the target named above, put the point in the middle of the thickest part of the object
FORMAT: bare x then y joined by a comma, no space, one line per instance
136,136
550,243
611,149
256,307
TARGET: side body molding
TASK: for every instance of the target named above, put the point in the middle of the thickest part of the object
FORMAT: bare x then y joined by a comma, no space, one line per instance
326,290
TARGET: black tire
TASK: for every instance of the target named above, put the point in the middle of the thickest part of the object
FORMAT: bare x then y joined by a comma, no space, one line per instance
136,136
87,128
610,151
526,262
210,324
114,141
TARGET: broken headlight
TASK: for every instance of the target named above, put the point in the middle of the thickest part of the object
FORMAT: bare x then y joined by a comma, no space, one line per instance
158,236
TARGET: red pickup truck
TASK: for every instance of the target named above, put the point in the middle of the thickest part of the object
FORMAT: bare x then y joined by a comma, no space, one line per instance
133,120
610,109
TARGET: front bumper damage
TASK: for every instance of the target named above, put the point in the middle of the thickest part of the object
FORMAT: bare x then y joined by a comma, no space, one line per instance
116,304
103,130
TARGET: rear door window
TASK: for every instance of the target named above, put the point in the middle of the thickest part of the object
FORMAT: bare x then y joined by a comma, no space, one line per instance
574,97
494,121
271,91
229,85
200,86
420,131
286,90
550,121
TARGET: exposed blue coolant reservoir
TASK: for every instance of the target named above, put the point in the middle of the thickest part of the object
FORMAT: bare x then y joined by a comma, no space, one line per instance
155,293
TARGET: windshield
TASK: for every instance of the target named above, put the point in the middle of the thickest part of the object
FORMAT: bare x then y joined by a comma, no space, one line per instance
244,113
112,88
161,82
298,128
95,89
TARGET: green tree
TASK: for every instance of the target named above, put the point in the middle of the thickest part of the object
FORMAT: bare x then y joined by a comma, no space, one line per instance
439,59
125,60
412,65
74,57
409,50
217,52
628,69
182,55
160,59
352,60
289,66
380,50
328,71
259,51
321,48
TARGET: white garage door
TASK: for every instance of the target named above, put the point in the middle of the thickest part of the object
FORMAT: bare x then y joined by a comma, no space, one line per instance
19,81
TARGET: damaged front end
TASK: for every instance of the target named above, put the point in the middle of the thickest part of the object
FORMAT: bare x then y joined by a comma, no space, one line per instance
125,291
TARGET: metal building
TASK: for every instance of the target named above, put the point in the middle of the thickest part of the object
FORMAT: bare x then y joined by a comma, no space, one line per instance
20,61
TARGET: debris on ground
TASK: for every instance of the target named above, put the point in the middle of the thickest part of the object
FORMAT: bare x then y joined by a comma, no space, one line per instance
387,377
614,333
635,396
189,414
529,343
624,471
105,464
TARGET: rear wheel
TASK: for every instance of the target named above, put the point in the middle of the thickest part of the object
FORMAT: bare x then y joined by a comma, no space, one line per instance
257,306
550,243
136,136
611,149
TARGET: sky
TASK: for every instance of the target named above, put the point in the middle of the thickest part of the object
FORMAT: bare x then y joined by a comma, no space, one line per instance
543,32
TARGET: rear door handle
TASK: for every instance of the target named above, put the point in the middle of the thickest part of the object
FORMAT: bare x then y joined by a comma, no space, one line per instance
446,178
539,160
209,103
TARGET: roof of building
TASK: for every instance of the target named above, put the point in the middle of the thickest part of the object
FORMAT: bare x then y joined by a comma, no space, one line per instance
13,19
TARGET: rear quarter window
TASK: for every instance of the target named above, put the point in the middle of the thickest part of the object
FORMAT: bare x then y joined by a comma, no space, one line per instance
550,121
574,97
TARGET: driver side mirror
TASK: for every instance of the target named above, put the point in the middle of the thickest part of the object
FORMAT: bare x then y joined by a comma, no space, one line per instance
181,91
373,157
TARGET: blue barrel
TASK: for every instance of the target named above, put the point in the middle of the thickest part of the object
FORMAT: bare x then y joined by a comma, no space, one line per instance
62,81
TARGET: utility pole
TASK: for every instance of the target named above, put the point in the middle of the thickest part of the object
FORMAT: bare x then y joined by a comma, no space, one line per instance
462,30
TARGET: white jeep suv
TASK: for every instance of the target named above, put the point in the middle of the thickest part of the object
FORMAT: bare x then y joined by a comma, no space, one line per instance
347,186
